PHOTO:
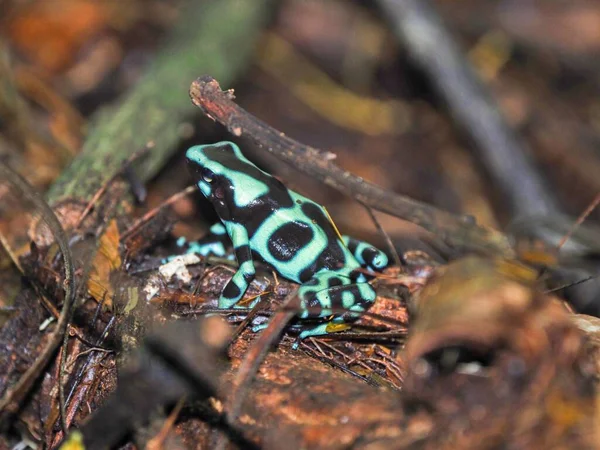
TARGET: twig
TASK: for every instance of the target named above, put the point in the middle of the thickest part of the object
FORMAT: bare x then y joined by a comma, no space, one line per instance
579,221
13,257
347,359
388,240
158,441
367,336
81,372
248,319
14,395
434,50
568,285
87,352
109,181
154,211
459,232
254,358
326,359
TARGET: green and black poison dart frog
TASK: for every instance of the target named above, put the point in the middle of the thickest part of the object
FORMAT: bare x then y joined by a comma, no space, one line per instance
291,233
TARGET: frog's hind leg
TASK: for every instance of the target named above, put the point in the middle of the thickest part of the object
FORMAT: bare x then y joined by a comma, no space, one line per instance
367,255
333,295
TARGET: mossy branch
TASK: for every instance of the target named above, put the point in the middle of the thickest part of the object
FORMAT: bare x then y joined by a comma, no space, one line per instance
216,37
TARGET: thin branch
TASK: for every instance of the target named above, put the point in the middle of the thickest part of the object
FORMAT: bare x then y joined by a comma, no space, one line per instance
254,357
584,215
100,192
9,251
505,156
14,395
460,232
153,212
388,240
568,285
158,441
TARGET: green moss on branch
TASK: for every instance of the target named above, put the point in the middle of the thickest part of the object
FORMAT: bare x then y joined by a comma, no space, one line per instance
215,37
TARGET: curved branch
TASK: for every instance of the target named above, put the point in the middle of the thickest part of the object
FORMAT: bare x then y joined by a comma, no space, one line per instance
460,232
10,401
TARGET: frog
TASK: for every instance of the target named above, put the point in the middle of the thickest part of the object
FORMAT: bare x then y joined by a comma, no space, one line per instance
292,234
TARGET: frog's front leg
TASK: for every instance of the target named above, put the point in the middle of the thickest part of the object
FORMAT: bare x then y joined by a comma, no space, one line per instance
237,286
367,255
330,294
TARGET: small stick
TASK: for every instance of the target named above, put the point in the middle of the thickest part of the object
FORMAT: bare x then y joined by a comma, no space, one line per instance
348,361
13,257
154,211
12,397
460,232
249,318
264,312
329,360
434,50
388,240
85,272
79,376
568,285
87,352
579,221
254,357
158,441
108,182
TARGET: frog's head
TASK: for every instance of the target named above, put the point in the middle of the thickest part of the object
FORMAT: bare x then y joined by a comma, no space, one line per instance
223,174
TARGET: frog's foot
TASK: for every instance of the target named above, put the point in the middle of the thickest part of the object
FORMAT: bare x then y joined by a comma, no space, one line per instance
318,330
260,327
333,326
367,255
237,285
329,294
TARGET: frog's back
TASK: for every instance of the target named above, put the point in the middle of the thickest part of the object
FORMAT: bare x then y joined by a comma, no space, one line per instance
300,241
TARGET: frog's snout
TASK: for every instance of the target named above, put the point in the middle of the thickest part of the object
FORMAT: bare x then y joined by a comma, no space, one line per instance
193,168
194,156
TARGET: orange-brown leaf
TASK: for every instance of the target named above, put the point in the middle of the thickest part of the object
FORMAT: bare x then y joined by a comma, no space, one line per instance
106,261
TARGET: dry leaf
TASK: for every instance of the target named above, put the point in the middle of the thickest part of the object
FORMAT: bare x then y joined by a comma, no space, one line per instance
106,261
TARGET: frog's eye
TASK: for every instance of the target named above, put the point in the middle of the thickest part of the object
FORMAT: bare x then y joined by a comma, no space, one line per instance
208,175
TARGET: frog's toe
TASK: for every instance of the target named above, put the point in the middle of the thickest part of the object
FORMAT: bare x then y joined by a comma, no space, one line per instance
260,327
374,259
380,261
318,330
296,343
